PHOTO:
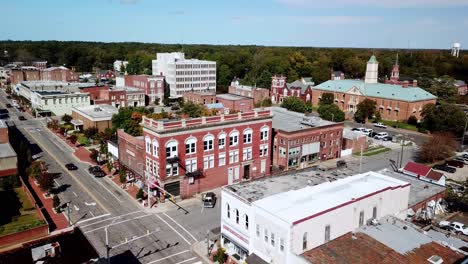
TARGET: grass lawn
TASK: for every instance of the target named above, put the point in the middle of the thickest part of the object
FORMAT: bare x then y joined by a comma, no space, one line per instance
83,140
17,212
399,125
373,151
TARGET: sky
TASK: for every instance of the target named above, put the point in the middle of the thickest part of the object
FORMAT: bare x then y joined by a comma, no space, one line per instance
333,23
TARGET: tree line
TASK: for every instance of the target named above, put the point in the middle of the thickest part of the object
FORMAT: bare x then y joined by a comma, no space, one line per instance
254,65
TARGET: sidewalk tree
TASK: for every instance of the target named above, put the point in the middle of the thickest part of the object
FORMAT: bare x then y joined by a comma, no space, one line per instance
93,155
46,182
36,169
54,125
140,194
67,118
122,175
438,147
295,104
73,138
366,109
56,202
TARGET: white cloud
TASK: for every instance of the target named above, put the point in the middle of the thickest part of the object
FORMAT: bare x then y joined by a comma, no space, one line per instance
375,3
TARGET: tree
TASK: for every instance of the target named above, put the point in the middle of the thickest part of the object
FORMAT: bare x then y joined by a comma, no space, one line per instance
93,155
327,98
192,109
56,202
140,194
123,120
91,132
54,125
366,109
438,147
46,182
62,131
412,120
331,112
444,117
378,116
36,169
294,104
67,118
73,138
444,88
123,175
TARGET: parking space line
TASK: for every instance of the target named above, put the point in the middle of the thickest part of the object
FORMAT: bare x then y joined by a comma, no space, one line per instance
186,231
187,260
108,219
170,256
164,221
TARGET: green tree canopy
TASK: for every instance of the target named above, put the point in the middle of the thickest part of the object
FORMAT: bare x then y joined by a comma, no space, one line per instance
67,118
366,109
123,120
331,112
444,117
327,98
444,88
295,104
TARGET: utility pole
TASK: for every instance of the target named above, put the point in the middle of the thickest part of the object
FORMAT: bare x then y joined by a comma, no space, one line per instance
401,154
360,162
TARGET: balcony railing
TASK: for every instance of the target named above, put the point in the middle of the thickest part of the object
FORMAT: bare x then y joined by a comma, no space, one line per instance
173,159
194,174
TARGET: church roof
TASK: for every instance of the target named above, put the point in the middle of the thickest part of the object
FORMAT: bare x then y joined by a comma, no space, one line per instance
378,90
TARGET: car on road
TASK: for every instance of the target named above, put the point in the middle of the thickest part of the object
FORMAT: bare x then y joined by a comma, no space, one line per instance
459,228
380,125
9,106
388,138
8,97
455,163
209,200
358,129
71,166
341,164
444,168
22,118
96,171
381,135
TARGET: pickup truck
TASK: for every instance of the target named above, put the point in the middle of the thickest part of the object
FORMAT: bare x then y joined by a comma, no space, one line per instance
380,125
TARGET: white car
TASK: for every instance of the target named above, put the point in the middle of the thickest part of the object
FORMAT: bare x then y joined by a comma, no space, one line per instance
444,224
380,125
459,228
381,135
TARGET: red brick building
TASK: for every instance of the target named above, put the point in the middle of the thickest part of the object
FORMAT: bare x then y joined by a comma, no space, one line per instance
300,141
8,158
131,152
300,88
258,94
105,75
153,85
235,102
39,64
25,73
189,156
200,98
60,74
107,95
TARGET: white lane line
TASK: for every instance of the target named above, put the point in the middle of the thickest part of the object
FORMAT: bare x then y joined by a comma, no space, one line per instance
198,262
170,256
76,195
56,182
116,223
76,208
91,213
100,183
173,229
186,231
119,216
90,219
187,260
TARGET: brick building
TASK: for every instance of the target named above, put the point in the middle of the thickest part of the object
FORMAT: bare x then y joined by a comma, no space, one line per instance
234,102
462,87
152,85
107,95
24,73
105,74
200,97
258,94
39,64
194,155
131,152
300,88
61,74
98,116
8,158
353,142
300,141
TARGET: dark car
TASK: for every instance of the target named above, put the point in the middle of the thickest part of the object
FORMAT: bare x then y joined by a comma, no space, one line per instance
341,164
209,200
22,118
96,171
372,134
388,138
94,168
71,166
9,105
455,163
8,97
355,129
445,168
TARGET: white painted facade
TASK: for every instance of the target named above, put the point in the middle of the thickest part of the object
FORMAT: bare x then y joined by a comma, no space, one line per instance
372,70
185,75
118,65
59,104
284,225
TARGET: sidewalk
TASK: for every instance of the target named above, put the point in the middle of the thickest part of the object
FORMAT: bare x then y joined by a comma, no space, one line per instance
83,154
201,250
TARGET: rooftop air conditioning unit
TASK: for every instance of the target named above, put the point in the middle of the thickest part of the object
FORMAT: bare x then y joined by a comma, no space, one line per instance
434,259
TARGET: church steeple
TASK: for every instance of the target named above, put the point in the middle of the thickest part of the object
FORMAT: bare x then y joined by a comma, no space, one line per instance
395,76
372,70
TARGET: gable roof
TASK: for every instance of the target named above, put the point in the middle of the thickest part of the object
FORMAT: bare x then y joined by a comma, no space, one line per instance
434,175
378,90
416,168
302,83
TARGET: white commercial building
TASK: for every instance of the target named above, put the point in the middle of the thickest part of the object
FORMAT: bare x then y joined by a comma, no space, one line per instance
118,65
59,103
184,75
279,218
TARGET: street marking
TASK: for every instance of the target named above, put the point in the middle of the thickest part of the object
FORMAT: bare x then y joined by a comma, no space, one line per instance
76,195
56,182
76,208
170,256
116,223
180,226
198,262
108,219
187,260
173,229
100,183
90,219
91,213
90,204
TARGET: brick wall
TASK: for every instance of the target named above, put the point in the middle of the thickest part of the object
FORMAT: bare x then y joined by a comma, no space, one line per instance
242,105
200,98
87,123
355,144
131,152
4,135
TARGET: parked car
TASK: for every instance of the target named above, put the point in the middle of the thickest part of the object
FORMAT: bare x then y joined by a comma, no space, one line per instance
444,224
444,168
22,118
96,171
455,163
341,164
381,135
209,200
8,97
465,161
459,228
380,125
388,138
367,131
9,105
71,166
358,129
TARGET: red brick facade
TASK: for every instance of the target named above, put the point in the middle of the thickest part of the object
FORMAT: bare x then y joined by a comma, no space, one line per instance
207,147
105,95
153,85
236,102
3,134
24,74
131,152
59,74
280,90
200,98
258,94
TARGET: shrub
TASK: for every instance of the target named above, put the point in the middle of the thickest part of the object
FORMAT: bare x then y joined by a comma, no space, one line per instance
93,155
140,194
56,202
378,117
122,176
412,120
67,118
73,138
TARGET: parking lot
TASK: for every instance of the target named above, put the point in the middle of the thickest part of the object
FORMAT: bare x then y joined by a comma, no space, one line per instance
461,175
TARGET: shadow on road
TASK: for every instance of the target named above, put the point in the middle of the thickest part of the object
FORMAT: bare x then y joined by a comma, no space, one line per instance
60,188
125,257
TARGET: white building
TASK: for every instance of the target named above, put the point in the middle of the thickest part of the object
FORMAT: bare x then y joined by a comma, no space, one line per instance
372,70
59,103
279,218
184,75
118,65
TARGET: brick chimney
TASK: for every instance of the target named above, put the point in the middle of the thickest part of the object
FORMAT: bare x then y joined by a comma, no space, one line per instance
415,83
405,84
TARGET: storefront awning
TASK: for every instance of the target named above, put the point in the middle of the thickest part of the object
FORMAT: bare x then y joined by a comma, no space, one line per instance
76,122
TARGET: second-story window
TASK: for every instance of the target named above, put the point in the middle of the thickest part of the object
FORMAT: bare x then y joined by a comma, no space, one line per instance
264,133
190,146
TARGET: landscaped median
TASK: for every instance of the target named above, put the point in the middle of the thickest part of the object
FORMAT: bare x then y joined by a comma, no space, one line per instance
373,151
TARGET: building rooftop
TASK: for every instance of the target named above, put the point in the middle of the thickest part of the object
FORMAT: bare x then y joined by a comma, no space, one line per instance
233,97
56,68
416,168
292,121
378,90
349,134
6,151
50,92
302,83
3,124
97,112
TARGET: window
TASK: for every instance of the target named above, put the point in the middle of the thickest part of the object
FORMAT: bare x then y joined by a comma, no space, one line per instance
228,211
155,169
247,222
304,241
233,156
263,150
148,165
208,143
155,148
374,212
264,133
190,146
361,218
148,145
171,149
172,169
247,154
222,159
266,235
327,233
272,239
248,136
191,165
294,151
208,162
257,230
221,140
234,138
237,216
282,152
282,244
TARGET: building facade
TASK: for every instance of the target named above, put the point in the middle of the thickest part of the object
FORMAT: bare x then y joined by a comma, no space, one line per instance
59,74
24,73
152,85
59,103
107,95
258,94
118,65
185,75
8,157
131,152
134,97
189,156
236,103
300,88
200,97
98,116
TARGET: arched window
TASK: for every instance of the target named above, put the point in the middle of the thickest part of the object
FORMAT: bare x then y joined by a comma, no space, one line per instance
285,92
171,149
221,140
155,148
148,145
237,216
228,211
248,135
264,133
234,138
190,145
304,241
308,97
208,142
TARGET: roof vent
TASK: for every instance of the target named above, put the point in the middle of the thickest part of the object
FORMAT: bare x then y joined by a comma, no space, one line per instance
434,259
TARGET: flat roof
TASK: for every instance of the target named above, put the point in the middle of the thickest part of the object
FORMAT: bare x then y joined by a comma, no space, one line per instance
3,124
229,96
294,205
102,112
292,121
6,151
